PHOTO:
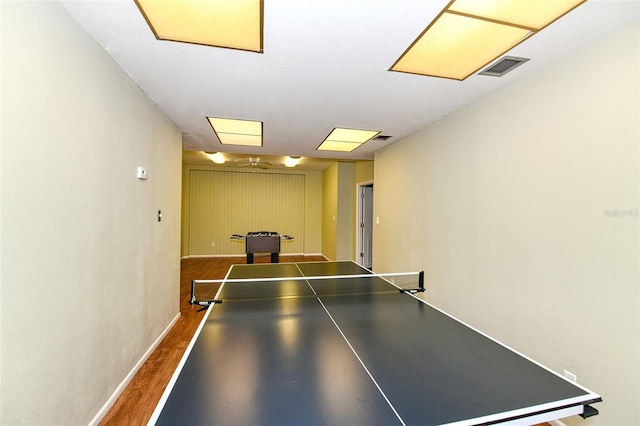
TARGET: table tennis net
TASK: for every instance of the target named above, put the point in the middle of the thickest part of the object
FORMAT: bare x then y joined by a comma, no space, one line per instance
205,292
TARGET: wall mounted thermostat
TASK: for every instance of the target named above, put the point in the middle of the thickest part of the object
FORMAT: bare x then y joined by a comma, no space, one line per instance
142,173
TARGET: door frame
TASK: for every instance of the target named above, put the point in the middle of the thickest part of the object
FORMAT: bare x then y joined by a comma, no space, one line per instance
360,232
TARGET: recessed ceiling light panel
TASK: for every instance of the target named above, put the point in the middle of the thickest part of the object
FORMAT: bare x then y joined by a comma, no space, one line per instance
236,24
468,34
346,140
534,14
454,46
237,132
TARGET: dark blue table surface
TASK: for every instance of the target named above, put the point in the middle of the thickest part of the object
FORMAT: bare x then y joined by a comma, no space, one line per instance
286,357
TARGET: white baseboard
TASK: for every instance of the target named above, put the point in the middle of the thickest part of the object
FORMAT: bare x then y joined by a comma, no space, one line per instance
121,387
244,255
315,254
194,256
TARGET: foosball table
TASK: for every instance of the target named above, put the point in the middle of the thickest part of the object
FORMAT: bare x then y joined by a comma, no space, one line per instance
262,242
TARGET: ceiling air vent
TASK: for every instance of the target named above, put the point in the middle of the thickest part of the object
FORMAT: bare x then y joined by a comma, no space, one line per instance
503,66
382,138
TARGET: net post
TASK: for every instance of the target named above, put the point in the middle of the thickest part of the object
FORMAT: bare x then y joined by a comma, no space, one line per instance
193,292
421,280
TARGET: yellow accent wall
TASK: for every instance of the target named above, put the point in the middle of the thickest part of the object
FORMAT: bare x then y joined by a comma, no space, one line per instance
363,171
218,201
221,201
330,211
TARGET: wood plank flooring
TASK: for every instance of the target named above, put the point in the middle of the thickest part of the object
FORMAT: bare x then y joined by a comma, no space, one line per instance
137,402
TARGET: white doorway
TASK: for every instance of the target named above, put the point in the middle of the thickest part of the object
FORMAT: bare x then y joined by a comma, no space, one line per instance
364,249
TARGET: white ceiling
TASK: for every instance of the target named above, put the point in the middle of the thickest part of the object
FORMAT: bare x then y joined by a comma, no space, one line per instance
325,64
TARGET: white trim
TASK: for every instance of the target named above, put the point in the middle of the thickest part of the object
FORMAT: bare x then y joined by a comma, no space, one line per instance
240,255
527,419
244,255
358,219
314,254
121,387
522,421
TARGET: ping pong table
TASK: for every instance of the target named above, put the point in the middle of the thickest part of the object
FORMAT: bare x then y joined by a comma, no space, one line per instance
287,344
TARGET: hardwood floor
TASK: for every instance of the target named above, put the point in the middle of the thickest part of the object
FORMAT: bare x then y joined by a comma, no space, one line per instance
137,402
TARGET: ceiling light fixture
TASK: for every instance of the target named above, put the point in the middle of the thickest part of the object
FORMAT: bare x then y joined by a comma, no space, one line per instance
237,132
346,140
468,34
216,157
291,161
234,24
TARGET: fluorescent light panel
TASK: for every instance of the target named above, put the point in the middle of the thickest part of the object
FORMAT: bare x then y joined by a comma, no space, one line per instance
346,140
468,34
237,132
236,24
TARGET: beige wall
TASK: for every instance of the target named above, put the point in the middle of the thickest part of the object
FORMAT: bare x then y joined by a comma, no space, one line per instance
522,210
221,201
89,278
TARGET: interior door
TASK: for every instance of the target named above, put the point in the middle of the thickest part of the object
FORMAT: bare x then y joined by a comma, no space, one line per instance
366,226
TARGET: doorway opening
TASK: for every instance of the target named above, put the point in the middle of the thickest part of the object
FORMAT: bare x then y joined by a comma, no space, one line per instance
364,238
